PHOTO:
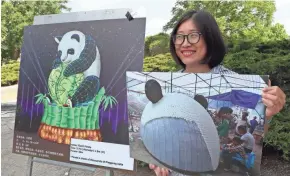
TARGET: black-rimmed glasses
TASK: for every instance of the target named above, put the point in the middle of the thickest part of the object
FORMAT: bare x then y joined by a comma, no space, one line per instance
192,38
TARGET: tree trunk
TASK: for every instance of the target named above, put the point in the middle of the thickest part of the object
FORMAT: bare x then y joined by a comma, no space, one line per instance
16,53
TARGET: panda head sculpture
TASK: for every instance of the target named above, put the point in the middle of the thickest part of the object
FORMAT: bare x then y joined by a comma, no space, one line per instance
178,131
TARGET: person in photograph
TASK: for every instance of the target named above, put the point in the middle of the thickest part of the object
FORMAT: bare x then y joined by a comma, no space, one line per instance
242,122
197,45
247,138
214,117
254,123
202,101
224,126
230,150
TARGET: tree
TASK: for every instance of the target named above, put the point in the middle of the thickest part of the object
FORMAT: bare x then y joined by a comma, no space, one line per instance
252,20
18,14
157,44
160,63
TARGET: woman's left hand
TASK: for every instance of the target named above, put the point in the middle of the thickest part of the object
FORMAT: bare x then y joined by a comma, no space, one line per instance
274,99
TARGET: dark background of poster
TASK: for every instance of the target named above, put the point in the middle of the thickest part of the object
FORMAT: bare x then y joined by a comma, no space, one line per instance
116,39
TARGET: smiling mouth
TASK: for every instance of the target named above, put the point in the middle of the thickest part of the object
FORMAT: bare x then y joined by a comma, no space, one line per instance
188,53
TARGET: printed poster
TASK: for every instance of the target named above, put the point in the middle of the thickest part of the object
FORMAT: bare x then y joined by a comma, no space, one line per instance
197,123
72,104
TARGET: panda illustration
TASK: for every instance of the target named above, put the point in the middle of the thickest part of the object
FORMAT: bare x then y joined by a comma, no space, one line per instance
82,56
178,131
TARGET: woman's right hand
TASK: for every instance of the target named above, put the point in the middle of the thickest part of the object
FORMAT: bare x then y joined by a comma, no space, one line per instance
159,171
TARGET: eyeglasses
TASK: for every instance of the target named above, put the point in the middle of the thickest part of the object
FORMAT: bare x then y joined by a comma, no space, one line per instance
192,38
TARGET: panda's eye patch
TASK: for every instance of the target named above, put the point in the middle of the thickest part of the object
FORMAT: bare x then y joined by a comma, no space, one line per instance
70,51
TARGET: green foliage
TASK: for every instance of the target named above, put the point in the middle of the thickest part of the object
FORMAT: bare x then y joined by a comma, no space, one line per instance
237,19
142,164
10,73
105,100
61,87
157,44
271,58
108,100
40,98
279,134
160,63
15,15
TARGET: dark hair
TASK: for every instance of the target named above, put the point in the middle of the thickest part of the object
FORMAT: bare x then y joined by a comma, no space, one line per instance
244,116
209,29
225,110
245,113
237,139
242,128
201,100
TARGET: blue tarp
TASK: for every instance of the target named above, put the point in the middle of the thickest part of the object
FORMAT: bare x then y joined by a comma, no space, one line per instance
239,97
216,104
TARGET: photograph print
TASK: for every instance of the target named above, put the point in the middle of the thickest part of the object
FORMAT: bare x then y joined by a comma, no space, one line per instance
197,123
72,104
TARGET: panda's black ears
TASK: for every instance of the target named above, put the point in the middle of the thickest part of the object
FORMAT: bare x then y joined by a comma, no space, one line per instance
153,91
201,100
76,36
58,39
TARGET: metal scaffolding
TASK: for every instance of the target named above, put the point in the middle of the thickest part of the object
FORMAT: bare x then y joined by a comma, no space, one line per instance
196,84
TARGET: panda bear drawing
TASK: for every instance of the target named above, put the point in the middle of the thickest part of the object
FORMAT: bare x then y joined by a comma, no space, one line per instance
81,55
178,131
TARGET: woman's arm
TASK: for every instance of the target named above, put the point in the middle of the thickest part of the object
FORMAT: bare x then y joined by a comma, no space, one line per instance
159,171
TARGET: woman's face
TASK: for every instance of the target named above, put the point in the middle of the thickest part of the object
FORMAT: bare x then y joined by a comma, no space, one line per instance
190,54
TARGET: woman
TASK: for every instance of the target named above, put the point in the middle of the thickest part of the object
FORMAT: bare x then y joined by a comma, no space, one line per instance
197,45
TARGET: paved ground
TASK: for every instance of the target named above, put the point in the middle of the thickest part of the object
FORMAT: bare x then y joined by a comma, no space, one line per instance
9,94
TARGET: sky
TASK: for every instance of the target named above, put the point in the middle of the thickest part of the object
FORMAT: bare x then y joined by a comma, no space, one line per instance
158,12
